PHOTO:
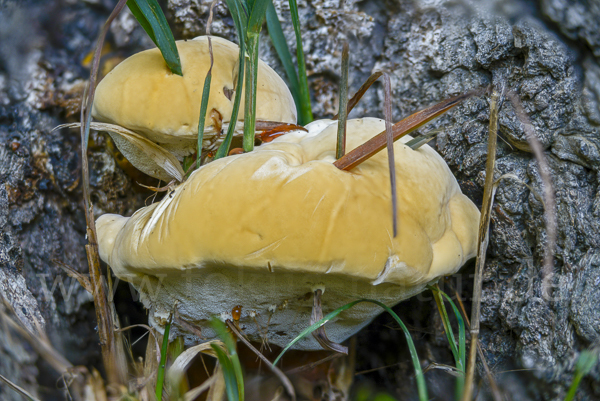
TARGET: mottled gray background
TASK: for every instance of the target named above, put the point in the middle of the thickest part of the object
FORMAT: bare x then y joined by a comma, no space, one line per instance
548,51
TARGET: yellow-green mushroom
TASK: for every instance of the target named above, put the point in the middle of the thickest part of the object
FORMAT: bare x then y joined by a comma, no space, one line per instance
269,228
142,95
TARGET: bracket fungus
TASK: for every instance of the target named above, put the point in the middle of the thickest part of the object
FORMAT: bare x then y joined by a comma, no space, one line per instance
142,95
268,229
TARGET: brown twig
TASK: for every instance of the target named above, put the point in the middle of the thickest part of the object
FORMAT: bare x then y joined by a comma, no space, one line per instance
112,354
319,334
401,128
549,200
359,94
83,281
340,149
484,224
493,385
387,111
280,375
272,129
312,365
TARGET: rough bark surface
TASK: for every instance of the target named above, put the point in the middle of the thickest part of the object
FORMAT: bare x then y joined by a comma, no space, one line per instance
547,51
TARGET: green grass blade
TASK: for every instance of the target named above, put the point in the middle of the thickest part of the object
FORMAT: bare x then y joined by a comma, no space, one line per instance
585,363
152,19
255,23
160,375
240,18
306,115
251,84
411,346
446,322
231,386
229,342
235,8
139,16
421,140
283,51
204,106
257,16
458,350
462,342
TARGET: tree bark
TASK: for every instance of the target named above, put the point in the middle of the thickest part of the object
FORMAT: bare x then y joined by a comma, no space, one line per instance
548,52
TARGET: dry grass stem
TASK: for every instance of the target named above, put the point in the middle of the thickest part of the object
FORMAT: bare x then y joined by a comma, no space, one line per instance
361,91
340,149
83,280
484,224
112,352
18,389
496,393
401,128
549,200
194,393
319,334
390,150
287,384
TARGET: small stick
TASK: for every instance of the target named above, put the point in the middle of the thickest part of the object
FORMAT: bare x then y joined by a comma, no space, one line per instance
262,125
401,128
280,375
387,111
359,94
549,200
319,334
496,394
112,353
484,225
340,149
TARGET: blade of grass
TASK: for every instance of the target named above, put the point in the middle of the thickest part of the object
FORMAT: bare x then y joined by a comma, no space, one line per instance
306,115
445,321
252,41
411,346
160,375
159,163
424,139
458,350
235,8
462,342
231,385
151,18
389,136
361,91
484,224
340,149
194,393
229,342
283,51
204,107
141,19
205,89
112,353
496,394
401,128
255,23
585,363
257,16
